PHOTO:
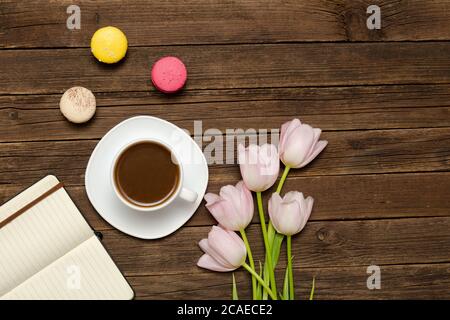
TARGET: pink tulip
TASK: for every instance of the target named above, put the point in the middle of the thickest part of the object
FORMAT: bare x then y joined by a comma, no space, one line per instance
290,214
224,251
259,166
233,207
299,143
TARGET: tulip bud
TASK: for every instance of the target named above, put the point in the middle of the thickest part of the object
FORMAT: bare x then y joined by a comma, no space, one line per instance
299,143
224,251
233,207
259,166
290,214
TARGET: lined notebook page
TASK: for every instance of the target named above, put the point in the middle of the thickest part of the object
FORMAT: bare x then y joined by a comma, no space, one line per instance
86,272
39,236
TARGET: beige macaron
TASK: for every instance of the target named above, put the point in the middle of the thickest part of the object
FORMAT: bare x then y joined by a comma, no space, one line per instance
78,104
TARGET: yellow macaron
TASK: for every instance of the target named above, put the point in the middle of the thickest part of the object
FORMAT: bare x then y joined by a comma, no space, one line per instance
109,44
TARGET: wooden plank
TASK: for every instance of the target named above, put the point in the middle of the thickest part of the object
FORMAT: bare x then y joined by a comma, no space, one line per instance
37,117
430,281
349,152
403,95
274,77
320,244
231,66
359,197
43,24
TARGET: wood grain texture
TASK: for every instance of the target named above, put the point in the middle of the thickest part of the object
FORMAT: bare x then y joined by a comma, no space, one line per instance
41,23
353,152
359,197
37,117
430,281
320,244
381,97
231,66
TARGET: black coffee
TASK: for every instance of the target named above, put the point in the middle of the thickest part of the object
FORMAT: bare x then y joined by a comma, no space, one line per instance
145,174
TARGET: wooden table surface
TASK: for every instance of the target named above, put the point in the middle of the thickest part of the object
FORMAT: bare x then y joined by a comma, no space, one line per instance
380,96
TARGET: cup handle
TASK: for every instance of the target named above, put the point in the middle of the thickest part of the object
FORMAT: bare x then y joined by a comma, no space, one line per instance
188,195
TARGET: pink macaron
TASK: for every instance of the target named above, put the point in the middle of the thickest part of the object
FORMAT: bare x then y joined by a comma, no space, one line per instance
169,74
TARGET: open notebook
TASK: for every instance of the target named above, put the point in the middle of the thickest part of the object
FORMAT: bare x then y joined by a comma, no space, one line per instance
48,251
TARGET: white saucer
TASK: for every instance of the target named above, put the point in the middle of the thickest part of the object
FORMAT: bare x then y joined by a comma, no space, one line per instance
145,225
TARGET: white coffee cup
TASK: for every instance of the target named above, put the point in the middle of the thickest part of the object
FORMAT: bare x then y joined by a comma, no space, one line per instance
180,192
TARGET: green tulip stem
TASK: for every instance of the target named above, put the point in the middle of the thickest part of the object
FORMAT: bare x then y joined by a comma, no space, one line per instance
250,260
311,295
283,178
260,280
266,244
291,276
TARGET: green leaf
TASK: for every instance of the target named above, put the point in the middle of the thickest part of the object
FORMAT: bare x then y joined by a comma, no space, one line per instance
311,295
285,295
276,248
234,294
270,232
267,280
259,288
275,240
